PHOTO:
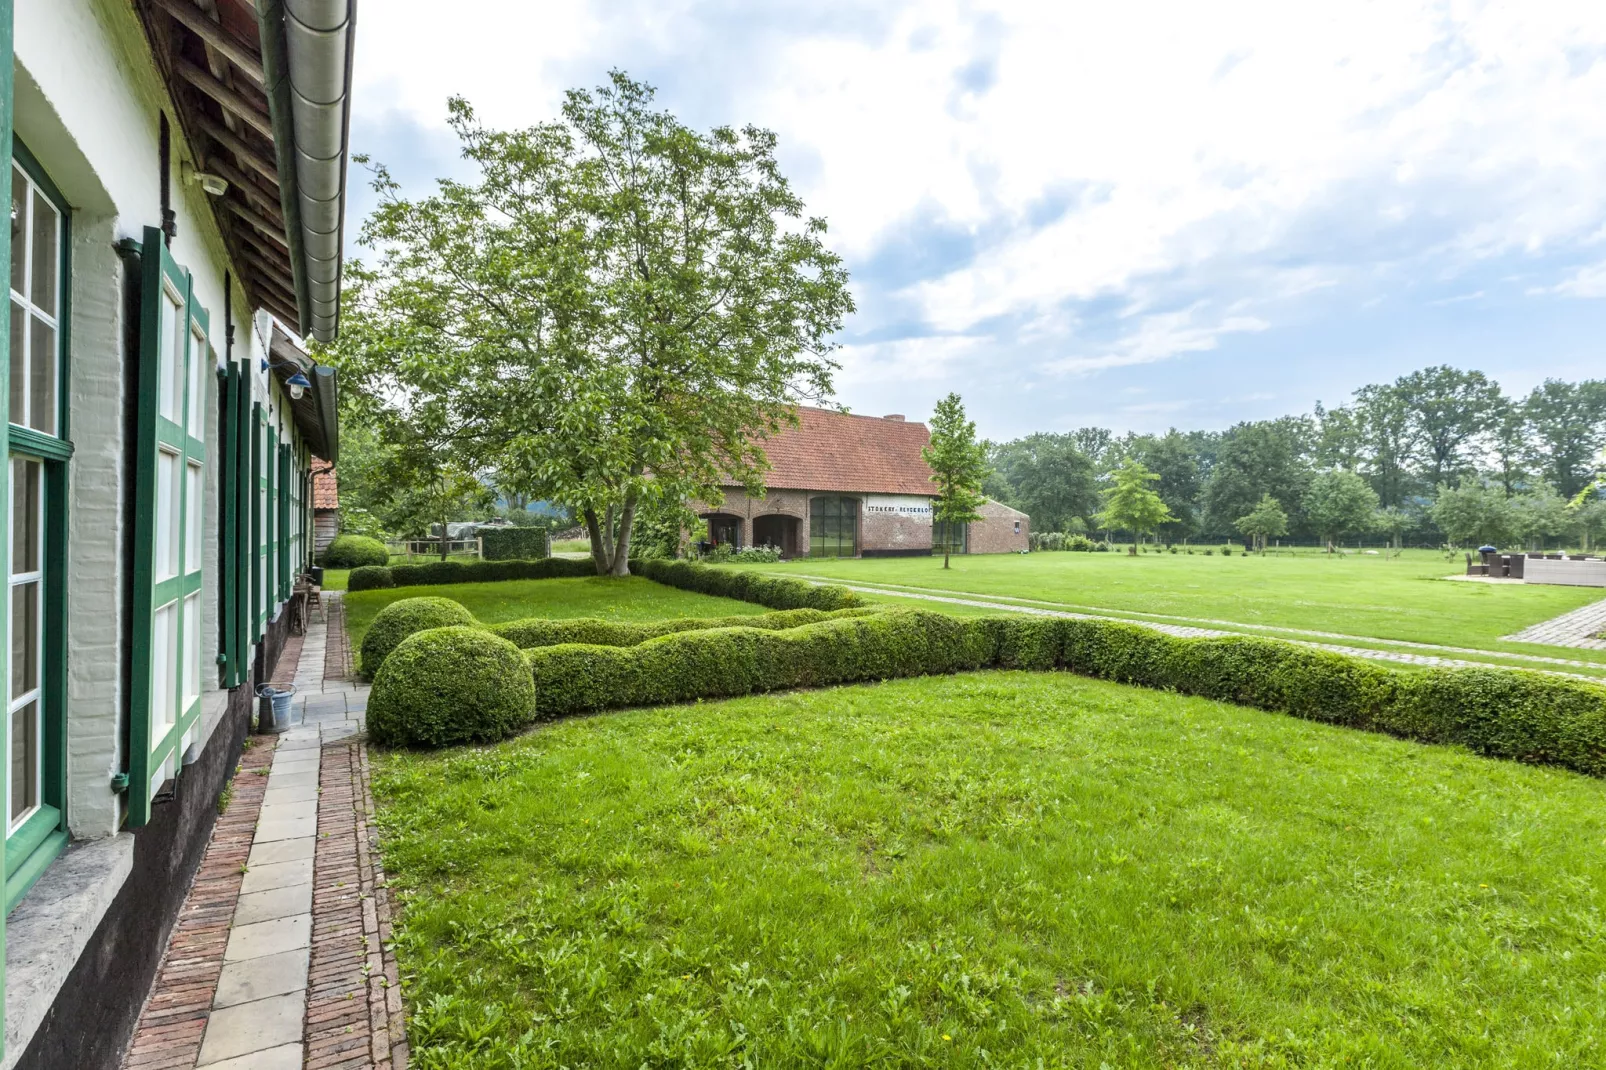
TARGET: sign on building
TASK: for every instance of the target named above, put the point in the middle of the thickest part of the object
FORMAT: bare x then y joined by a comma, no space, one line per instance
913,506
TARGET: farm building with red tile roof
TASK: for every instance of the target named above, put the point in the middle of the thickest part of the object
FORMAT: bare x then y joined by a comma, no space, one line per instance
842,485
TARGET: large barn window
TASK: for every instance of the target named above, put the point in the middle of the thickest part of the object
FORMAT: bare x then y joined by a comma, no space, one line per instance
833,527
949,537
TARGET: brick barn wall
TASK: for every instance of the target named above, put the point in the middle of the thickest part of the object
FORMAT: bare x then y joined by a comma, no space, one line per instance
793,503
996,533
890,532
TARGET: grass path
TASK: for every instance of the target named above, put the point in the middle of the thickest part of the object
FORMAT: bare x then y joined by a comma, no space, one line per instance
992,869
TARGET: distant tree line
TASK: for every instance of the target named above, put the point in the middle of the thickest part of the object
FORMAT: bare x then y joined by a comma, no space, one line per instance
1438,456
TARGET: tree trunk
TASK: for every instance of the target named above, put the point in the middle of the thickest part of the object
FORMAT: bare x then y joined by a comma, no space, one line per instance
599,557
621,545
945,557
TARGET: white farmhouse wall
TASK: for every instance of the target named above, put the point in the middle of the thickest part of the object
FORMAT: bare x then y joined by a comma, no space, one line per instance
87,103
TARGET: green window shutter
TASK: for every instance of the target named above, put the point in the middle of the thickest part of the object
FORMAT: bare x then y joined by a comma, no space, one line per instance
259,488
284,523
169,473
270,463
241,562
228,543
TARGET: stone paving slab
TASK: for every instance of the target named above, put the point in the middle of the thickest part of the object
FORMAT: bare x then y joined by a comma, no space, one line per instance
301,976
1577,629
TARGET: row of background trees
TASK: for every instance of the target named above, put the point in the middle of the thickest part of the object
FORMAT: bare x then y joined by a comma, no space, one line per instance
1439,455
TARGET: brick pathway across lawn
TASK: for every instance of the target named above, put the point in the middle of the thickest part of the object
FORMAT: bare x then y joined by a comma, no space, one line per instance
286,966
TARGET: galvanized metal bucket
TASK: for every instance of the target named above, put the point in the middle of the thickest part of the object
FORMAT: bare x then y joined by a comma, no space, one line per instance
273,712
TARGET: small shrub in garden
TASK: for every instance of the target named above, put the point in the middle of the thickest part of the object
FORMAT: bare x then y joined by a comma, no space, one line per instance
448,686
542,631
354,551
402,618
505,544
369,578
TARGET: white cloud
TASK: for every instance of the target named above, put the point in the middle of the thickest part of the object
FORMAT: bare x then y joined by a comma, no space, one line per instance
1587,281
1187,172
1158,337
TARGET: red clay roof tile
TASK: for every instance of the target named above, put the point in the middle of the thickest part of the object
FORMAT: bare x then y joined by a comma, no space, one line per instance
853,454
325,485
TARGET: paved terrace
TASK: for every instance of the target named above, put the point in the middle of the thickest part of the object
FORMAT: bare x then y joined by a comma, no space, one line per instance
278,960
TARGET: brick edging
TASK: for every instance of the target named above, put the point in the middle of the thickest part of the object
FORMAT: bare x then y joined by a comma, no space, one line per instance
354,1011
173,1022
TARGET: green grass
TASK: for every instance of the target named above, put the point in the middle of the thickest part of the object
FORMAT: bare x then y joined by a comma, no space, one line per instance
334,579
995,869
611,599
1405,599
571,546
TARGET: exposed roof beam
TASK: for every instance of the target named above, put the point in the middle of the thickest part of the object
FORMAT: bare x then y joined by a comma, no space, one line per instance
202,79
269,252
267,202
269,230
229,46
248,156
270,272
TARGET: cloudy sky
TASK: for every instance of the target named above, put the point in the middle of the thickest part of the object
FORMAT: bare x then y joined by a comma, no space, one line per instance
1134,215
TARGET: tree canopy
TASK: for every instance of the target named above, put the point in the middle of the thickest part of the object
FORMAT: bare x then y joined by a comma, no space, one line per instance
958,465
616,310
1131,505
1265,521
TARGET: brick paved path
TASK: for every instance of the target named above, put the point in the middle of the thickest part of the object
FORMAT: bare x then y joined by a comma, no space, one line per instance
280,958
1578,628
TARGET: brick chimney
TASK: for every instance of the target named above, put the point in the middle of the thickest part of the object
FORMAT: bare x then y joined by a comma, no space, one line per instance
895,417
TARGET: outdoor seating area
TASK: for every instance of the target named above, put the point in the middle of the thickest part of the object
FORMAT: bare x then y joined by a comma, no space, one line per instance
1568,570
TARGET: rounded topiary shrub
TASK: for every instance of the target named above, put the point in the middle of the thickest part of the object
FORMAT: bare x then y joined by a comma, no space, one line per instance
402,618
447,686
354,551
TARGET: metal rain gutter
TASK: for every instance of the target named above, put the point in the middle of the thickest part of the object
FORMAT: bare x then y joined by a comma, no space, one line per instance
307,48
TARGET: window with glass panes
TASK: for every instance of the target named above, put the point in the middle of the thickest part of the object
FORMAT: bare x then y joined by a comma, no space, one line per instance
37,521
949,537
175,362
833,527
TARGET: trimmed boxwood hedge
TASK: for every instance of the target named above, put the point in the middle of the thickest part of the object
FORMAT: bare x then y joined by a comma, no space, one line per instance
436,573
542,631
447,686
404,617
506,544
1497,712
777,592
354,551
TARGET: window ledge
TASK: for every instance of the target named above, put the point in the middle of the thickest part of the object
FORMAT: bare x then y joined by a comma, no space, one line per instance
50,928
214,704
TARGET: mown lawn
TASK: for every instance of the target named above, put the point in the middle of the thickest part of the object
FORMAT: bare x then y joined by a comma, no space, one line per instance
995,869
629,598
1405,599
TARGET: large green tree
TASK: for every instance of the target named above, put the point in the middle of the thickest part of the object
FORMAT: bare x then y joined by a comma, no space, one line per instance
1173,458
958,465
616,310
1388,436
1450,411
1476,513
1046,476
1132,505
1567,422
1339,503
1263,457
